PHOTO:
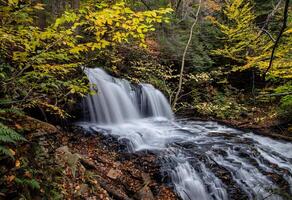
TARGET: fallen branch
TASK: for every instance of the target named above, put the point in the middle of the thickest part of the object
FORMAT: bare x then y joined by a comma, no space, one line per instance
276,94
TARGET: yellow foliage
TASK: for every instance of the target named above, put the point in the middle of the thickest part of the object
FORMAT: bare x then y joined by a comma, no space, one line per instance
247,46
46,65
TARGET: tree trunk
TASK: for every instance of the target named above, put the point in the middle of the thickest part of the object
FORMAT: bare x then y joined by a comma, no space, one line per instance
284,26
184,57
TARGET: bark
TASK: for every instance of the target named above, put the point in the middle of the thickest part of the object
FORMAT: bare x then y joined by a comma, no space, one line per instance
184,57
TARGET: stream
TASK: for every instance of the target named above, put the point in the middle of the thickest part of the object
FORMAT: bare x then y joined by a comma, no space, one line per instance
203,160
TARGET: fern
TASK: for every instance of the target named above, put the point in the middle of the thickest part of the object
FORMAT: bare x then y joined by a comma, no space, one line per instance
5,151
32,183
11,111
8,135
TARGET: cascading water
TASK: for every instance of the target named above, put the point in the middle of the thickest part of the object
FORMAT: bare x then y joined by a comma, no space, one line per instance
204,160
117,100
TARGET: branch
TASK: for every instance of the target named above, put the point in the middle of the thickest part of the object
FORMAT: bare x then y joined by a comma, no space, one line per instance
184,56
276,94
268,19
146,5
177,6
269,34
284,26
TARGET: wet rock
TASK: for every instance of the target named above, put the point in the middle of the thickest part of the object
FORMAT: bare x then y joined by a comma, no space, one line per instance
114,173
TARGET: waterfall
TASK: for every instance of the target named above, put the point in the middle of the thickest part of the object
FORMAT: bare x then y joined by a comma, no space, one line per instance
204,160
117,101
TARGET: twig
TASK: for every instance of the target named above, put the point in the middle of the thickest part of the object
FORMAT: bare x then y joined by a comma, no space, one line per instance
269,34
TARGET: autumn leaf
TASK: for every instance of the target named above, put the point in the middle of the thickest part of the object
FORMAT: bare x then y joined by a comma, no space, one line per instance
12,152
10,178
17,163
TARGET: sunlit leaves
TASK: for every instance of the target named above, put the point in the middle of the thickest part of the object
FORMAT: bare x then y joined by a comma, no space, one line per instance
45,65
245,45
116,24
238,29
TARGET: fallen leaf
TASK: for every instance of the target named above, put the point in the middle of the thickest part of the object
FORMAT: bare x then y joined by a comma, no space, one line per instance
17,163
28,174
12,152
10,178
17,126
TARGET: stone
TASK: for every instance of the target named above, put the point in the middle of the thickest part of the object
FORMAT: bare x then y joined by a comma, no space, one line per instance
114,173
145,194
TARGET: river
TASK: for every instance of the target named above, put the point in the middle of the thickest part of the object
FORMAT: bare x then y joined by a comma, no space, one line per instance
203,160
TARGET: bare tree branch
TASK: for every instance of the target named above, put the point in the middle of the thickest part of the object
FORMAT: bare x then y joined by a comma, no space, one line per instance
146,5
184,56
284,26
269,34
269,18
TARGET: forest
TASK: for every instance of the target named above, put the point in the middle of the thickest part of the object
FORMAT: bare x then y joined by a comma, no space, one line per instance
146,99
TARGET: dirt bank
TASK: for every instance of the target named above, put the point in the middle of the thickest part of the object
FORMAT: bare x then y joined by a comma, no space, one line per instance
57,164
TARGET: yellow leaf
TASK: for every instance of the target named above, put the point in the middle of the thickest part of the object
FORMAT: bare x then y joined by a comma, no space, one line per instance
39,6
17,163
18,126
12,152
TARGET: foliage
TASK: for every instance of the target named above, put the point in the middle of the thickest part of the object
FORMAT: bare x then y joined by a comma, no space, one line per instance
8,136
32,183
139,65
282,63
285,109
43,67
239,31
248,46
220,105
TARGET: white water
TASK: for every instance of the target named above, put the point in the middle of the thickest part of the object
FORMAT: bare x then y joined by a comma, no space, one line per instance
117,101
192,153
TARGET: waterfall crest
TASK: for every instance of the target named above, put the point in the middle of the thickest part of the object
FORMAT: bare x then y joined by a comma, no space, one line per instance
117,100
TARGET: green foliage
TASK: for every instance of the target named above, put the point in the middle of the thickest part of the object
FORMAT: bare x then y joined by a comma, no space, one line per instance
219,105
44,67
173,38
139,65
239,31
285,108
32,183
8,136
